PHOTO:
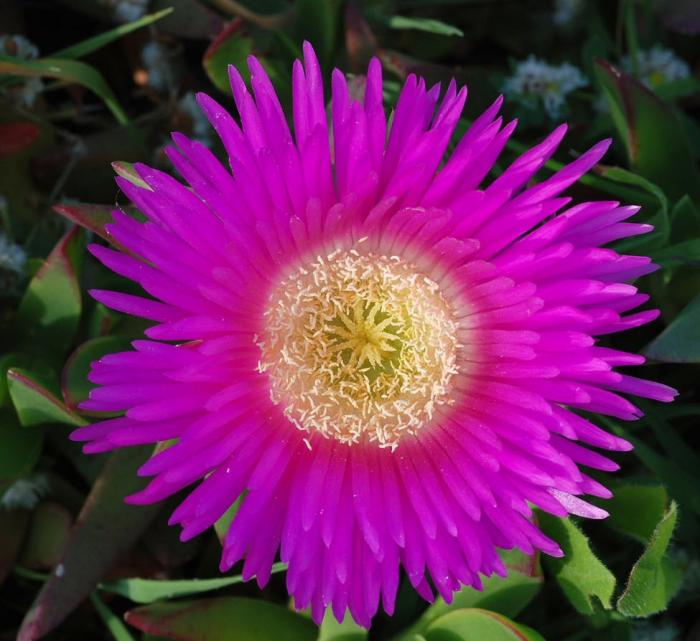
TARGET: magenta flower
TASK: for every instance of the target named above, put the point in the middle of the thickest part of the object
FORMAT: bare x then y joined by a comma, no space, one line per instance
384,356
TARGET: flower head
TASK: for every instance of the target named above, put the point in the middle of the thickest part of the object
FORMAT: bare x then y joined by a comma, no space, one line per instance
385,356
534,81
657,66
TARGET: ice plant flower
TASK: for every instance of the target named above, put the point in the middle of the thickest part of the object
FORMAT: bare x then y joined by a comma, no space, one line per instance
534,81
383,355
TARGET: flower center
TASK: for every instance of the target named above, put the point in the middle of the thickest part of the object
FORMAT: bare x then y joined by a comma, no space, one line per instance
359,347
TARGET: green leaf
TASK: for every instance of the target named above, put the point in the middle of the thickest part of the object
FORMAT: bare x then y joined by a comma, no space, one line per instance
114,624
90,45
48,534
35,403
105,529
222,525
679,343
318,23
49,313
231,47
618,174
580,574
654,580
636,509
478,625
19,449
222,619
148,590
348,630
71,71
423,24
507,596
91,217
656,144
74,383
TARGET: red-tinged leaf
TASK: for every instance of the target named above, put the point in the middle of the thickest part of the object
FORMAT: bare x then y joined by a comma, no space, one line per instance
655,140
13,525
35,403
106,529
49,313
91,217
48,535
231,47
222,619
15,136
74,384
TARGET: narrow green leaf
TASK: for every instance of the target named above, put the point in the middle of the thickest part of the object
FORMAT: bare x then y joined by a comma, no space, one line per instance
90,45
149,591
474,624
222,619
35,403
49,313
654,580
72,71
679,343
114,624
423,24
580,574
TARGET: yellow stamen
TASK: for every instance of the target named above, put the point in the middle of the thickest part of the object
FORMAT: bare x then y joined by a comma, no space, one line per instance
359,347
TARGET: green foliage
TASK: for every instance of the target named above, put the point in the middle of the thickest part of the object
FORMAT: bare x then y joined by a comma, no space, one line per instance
472,624
654,580
222,619
679,343
656,144
149,591
582,576
49,312
35,403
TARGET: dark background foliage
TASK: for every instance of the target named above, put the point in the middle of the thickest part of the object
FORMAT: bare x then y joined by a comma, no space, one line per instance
106,83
